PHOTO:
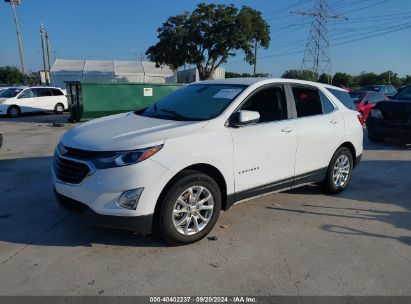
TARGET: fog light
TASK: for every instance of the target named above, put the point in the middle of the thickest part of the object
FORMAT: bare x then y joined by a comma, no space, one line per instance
129,199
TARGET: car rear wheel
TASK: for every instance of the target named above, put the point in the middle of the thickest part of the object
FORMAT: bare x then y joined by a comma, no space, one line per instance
190,208
13,111
339,171
59,108
375,139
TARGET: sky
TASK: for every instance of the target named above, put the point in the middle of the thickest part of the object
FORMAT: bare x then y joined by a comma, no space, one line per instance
371,39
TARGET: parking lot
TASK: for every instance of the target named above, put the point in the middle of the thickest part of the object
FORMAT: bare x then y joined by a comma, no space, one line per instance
300,242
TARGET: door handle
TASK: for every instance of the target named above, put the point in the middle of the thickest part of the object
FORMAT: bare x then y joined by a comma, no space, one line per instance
287,130
334,121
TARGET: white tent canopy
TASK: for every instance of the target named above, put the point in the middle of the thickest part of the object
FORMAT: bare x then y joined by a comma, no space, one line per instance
109,71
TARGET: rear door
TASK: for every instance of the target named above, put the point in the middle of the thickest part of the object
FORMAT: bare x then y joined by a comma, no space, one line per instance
46,100
59,97
264,152
320,129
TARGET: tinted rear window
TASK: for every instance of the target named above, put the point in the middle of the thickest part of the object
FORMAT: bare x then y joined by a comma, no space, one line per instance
56,92
343,97
43,92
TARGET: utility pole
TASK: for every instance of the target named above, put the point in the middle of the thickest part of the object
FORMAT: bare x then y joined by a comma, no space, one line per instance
316,56
13,4
48,51
255,57
42,33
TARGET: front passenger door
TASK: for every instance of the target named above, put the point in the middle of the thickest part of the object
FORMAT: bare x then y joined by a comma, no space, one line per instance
27,101
264,152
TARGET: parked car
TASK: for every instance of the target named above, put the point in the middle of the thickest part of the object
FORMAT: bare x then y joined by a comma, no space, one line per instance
17,100
391,119
3,88
171,168
365,101
387,89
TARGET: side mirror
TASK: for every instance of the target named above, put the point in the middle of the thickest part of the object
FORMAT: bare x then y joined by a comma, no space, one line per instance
366,101
243,117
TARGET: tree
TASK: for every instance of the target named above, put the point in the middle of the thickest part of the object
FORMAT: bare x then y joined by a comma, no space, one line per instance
365,79
208,36
325,78
406,80
241,75
297,74
10,75
343,79
389,77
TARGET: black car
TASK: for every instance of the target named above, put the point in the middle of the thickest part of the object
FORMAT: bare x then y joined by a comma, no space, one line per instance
387,89
391,118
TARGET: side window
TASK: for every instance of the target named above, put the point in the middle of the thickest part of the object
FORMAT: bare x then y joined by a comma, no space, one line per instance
343,97
307,101
56,92
270,103
27,94
43,92
327,105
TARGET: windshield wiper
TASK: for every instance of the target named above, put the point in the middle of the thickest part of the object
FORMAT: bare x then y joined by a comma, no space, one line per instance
175,114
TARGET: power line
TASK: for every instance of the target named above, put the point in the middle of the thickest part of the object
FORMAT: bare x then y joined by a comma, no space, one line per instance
316,55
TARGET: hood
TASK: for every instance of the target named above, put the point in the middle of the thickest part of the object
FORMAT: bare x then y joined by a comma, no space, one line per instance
127,131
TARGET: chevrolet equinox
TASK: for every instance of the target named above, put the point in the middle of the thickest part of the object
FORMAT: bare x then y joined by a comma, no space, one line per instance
171,167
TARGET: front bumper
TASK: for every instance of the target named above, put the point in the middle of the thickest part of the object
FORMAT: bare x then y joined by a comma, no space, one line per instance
141,224
389,129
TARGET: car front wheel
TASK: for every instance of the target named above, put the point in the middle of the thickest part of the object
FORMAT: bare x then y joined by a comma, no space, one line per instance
339,171
13,111
190,208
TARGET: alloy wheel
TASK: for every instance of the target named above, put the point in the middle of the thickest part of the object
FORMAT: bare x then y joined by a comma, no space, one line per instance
193,210
341,170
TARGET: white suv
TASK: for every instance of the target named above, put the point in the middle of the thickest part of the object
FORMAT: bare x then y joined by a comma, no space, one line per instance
172,167
17,100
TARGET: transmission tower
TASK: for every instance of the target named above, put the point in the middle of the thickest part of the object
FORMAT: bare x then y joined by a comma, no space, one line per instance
317,55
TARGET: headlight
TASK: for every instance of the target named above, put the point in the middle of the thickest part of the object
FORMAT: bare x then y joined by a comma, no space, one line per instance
376,114
125,158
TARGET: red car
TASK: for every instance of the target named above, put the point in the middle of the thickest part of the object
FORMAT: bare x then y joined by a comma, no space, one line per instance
365,100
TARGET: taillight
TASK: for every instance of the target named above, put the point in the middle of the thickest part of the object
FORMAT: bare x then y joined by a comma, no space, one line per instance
360,118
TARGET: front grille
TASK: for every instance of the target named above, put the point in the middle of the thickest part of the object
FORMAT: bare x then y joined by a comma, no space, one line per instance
81,154
70,171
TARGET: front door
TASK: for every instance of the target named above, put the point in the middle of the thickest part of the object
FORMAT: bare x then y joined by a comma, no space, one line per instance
28,101
264,152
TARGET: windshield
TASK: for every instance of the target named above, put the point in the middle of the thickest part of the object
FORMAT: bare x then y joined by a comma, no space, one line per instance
356,97
194,102
405,94
10,92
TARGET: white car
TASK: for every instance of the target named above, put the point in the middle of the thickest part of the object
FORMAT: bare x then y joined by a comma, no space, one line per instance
172,167
17,100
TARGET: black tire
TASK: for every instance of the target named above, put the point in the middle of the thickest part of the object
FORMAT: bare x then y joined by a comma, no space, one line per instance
59,108
329,184
13,111
164,216
375,139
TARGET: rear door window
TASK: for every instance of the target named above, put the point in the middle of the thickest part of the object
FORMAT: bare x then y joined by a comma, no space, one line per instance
43,92
307,101
56,92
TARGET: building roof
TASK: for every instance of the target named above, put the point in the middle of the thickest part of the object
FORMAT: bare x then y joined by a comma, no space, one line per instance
108,67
